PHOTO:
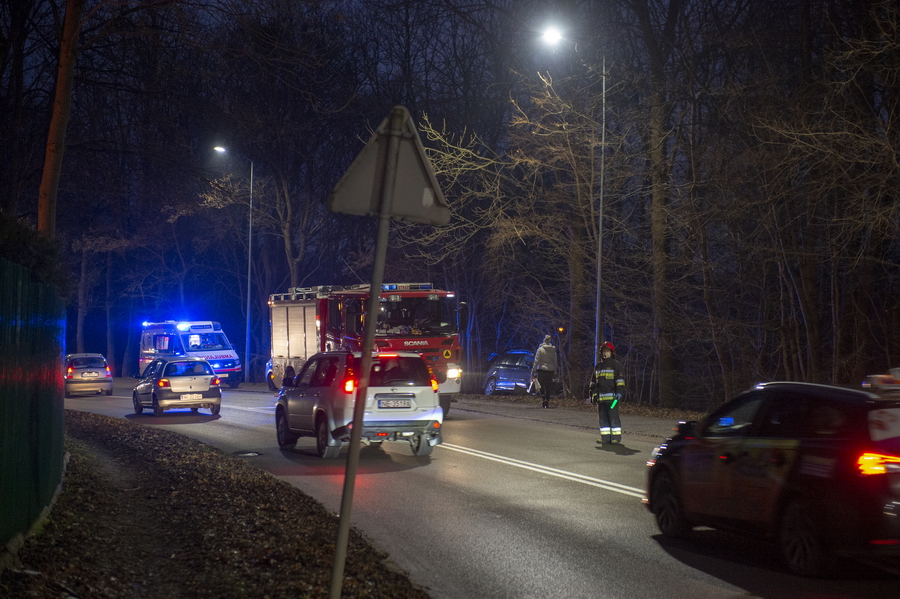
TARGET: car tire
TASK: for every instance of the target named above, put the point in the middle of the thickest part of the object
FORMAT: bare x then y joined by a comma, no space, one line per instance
286,439
233,385
490,387
157,409
444,400
138,408
667,508
215,408
420,446
109,392
270,380
801,545
325,451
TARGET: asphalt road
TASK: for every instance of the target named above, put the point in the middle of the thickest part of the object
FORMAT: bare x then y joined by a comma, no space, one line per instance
517,502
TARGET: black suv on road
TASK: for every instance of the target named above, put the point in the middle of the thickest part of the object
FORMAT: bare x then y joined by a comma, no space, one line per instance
816,468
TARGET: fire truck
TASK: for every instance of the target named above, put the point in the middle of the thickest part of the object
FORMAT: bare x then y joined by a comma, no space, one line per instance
411,317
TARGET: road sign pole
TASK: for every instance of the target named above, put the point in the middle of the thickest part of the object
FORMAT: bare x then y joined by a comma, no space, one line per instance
384,227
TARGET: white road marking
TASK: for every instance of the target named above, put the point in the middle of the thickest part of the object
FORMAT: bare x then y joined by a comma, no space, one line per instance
579,478
267,409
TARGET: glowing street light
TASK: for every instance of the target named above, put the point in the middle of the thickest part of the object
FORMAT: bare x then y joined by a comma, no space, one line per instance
222,150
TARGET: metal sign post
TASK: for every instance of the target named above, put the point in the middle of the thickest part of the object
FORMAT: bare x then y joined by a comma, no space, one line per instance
390,178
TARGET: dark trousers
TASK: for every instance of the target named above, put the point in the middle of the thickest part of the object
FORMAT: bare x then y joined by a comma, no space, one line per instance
545,378
610,423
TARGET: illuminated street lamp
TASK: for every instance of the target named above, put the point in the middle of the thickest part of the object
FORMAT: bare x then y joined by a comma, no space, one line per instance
553,36
222,150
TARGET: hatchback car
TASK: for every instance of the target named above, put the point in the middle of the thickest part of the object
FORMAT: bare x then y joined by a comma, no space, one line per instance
402,402
509,372
813,467
87,373
168,383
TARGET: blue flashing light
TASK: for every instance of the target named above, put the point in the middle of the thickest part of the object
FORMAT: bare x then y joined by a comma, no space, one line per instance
183,326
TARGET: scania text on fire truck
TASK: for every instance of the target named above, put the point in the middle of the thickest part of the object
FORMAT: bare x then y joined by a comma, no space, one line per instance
200,339
411,317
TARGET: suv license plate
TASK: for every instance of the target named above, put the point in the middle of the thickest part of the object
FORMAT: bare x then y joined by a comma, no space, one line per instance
89,375
394,403
192,396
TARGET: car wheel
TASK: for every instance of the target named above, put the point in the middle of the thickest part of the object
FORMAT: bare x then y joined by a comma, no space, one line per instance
233,384
325,450
157,409
490,387
138,408
286,439
420,446
270,379
215,408
109,392
801,546
667,508
444,399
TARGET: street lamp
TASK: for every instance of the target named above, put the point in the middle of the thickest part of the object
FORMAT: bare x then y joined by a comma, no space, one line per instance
552,36
222,150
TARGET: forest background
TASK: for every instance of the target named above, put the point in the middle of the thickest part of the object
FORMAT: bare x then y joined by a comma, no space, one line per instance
733,164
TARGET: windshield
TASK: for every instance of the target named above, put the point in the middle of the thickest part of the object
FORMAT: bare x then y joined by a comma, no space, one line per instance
431,315
204,341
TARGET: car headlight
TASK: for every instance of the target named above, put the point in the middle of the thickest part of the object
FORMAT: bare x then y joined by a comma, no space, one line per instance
454,371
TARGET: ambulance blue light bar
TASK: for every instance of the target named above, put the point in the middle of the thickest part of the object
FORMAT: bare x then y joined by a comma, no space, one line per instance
406,286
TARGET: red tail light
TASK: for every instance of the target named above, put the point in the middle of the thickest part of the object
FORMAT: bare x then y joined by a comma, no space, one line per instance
69,372
163,383
108,373
876,463
434,384
349,385
215,381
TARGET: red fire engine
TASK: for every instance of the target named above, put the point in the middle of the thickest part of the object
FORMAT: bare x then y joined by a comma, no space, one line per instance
411,317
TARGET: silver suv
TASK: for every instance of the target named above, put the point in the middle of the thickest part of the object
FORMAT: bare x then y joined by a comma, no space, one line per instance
401,404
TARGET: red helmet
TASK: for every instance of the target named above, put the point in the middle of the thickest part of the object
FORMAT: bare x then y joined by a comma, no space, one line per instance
608,345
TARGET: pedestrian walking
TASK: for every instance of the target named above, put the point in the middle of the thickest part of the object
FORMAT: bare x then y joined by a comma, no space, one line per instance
544,369
607,389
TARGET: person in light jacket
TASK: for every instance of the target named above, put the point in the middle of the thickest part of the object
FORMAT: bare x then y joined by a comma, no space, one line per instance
544,369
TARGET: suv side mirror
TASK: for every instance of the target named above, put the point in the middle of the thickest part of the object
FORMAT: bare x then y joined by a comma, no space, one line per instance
687,429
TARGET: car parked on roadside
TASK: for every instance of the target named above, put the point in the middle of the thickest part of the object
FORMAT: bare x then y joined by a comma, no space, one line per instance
87,373
814,468
402,402
171,382
509,372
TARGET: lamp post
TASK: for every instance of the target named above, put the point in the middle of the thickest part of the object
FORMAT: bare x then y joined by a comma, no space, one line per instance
222,150
553,36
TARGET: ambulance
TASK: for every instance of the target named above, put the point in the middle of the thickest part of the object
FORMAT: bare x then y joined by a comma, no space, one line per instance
198,339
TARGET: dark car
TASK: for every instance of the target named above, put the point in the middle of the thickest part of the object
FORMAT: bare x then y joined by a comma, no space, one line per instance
509,372
173,382
815,468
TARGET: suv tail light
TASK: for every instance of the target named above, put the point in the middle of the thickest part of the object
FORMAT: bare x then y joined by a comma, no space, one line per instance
434,384
349,385
877,463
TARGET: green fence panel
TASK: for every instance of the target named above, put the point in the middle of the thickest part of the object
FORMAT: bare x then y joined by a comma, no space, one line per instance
32,342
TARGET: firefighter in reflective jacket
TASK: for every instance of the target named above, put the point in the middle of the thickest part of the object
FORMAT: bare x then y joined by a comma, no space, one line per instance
606,390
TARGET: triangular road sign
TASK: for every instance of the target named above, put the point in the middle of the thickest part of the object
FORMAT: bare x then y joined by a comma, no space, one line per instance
392,168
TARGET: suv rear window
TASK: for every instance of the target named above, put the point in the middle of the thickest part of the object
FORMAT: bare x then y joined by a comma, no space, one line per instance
399,370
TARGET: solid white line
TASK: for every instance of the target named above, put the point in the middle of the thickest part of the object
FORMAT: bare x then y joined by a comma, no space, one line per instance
579,478
264,409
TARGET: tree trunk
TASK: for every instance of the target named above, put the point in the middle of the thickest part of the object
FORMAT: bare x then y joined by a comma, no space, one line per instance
62,107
